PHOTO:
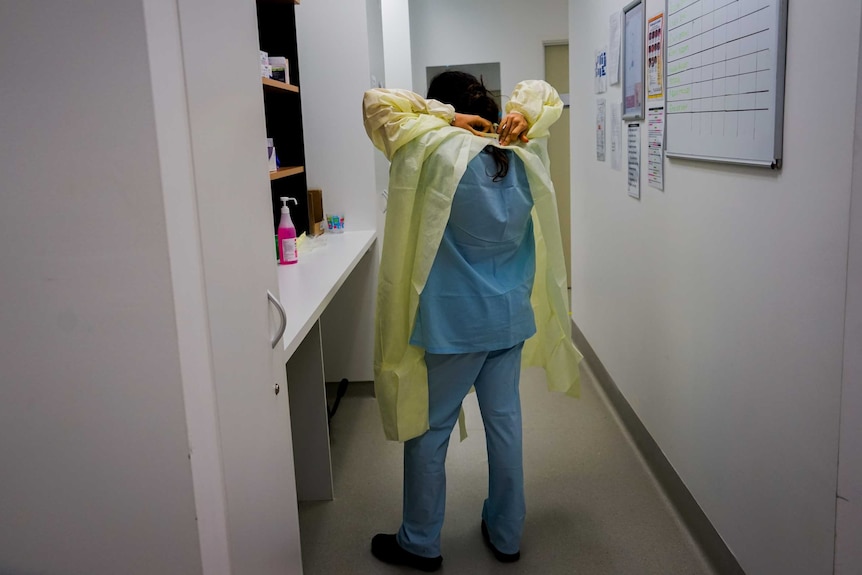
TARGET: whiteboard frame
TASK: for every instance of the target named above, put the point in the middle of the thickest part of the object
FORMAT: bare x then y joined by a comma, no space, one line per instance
627,116
781,67
778,153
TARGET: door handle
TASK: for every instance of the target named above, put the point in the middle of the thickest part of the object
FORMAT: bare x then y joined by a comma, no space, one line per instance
281,315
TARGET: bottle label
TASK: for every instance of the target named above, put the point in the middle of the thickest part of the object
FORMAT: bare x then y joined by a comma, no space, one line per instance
288,249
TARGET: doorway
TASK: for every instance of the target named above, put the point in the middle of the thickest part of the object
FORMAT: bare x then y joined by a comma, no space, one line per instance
557,75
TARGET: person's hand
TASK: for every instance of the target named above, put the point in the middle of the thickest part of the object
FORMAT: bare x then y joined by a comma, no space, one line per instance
513,127
475,124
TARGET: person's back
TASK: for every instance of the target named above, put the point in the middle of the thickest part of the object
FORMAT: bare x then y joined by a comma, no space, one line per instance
456,285
477,297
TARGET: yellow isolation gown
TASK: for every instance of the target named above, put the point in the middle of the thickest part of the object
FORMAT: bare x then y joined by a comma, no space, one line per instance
428,159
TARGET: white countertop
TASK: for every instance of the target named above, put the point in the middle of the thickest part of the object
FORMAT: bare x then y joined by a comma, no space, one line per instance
306,288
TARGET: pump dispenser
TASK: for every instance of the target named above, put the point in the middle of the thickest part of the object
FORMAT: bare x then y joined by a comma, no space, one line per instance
287,253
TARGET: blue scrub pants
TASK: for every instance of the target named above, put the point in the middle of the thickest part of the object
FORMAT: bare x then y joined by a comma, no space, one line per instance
495,375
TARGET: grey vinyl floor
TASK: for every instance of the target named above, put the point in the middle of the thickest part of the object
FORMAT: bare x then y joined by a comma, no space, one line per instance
592,506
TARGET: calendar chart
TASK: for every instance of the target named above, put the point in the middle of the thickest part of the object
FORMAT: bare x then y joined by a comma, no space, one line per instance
725,80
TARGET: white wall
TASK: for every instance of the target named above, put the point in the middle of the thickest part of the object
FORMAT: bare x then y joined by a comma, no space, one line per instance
95,471
848,552
718,305
376,58
510,32
377,14
396,42
379,11
335,70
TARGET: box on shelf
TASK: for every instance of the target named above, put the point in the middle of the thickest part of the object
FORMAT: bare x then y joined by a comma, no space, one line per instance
265,68
280,68
270,154
315,212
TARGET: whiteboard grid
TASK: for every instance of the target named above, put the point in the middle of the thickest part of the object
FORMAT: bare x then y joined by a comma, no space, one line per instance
725,76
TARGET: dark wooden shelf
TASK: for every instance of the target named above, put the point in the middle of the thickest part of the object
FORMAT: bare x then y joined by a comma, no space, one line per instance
285,172
275,85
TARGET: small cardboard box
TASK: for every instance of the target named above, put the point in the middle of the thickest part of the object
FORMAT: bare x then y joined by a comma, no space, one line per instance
315,212
280,68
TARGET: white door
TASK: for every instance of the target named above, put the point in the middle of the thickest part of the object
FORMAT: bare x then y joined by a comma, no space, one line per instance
557,75
226,114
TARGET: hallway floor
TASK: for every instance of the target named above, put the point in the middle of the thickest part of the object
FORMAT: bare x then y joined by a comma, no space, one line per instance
592,506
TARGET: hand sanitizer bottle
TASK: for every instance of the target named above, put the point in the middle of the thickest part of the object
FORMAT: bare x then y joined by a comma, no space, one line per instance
287,236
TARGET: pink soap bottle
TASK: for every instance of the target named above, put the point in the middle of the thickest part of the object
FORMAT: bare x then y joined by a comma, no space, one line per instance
287,253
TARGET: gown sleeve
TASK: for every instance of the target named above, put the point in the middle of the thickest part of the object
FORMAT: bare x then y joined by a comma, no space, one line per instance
540,104
394,118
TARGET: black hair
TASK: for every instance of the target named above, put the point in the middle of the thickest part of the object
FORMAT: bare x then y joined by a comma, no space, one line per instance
468,95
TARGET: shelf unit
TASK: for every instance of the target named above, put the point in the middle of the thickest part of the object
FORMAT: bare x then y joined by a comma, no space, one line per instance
270,84
276,21
285,172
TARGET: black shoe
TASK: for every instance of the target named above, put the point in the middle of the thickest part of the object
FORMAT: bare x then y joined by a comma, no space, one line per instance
386,548
501,557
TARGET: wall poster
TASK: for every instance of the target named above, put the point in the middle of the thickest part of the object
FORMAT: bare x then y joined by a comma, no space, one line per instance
634,160
601,71
633,61
655,58
601,128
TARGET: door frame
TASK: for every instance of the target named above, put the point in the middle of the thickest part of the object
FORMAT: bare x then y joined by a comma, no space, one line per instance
566,194
848,522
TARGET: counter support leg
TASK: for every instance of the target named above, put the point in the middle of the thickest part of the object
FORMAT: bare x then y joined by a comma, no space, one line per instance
309,419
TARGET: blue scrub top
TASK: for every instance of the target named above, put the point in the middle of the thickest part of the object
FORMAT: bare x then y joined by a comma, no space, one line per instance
477,297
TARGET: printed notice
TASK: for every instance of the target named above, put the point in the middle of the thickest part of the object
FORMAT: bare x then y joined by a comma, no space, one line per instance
634,141
601,128
655,60
655,154
614,50
601,71
616,135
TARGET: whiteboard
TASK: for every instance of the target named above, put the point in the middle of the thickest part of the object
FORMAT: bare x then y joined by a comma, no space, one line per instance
725,80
